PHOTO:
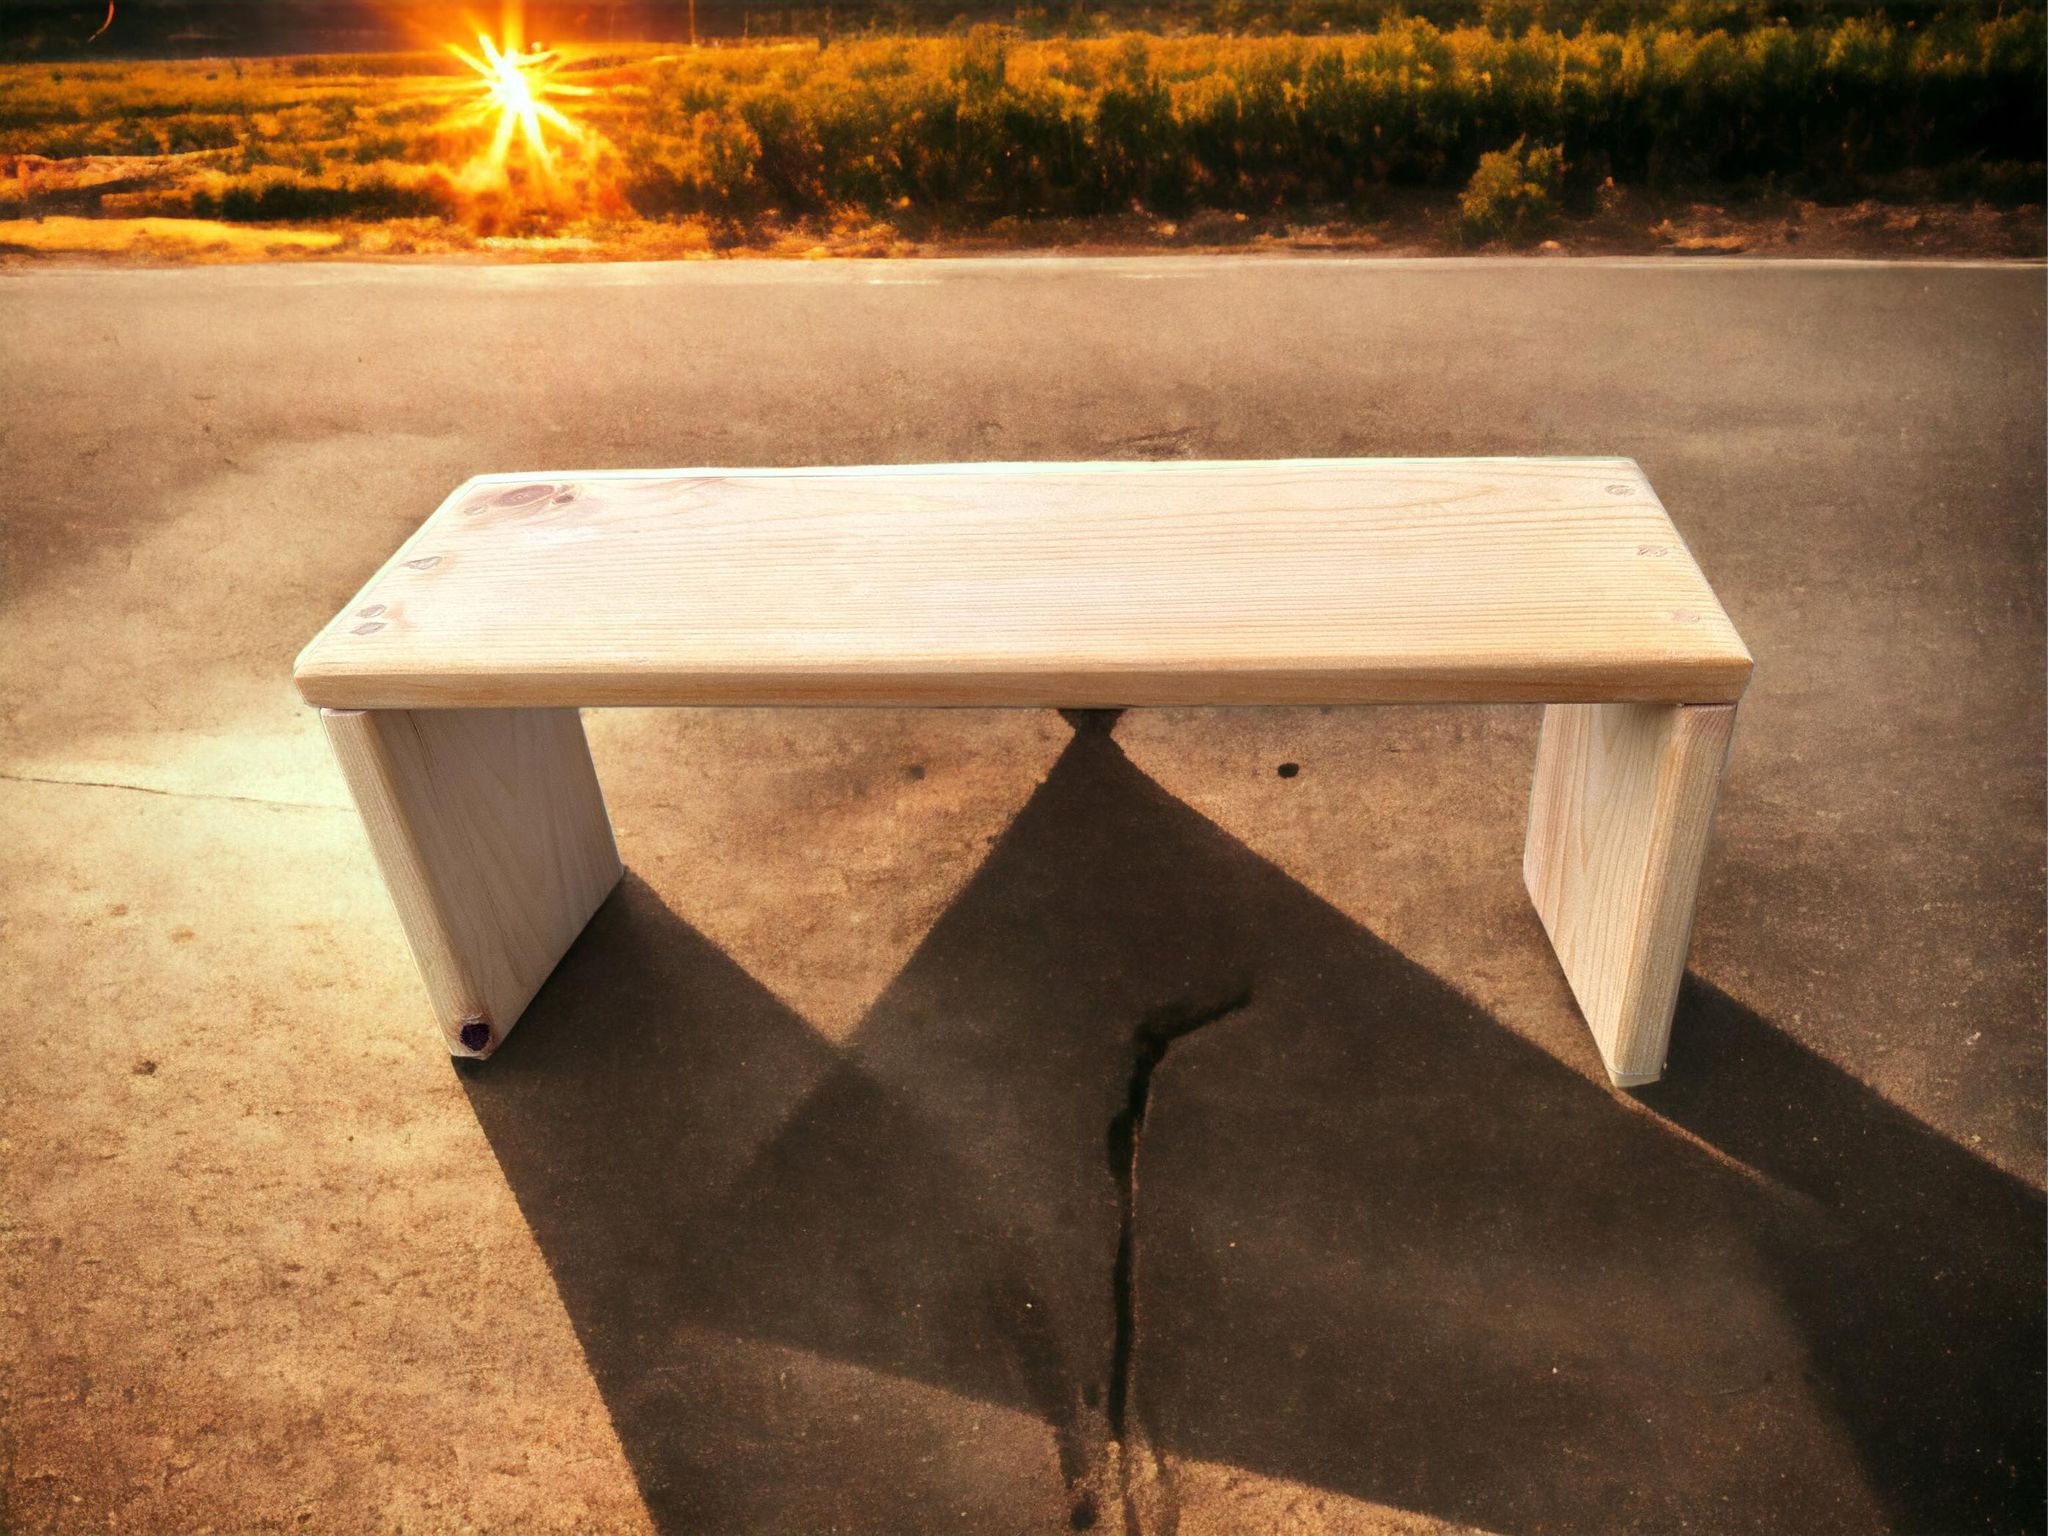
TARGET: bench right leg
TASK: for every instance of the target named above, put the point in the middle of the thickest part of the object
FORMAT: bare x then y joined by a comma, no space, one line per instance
491,833
1618,821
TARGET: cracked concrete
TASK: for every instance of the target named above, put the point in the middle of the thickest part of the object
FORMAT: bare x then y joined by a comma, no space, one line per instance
1146,1504
1149,1045
795,1203
174,794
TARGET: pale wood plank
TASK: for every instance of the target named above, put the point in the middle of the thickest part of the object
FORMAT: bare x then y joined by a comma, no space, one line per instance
1257,582
1618,823
491,833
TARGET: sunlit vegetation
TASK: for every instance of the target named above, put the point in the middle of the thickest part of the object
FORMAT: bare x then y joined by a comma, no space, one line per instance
1513,194
995,123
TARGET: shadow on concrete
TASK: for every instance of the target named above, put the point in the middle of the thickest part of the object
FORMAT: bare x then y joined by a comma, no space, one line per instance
1920,1295
1380,1244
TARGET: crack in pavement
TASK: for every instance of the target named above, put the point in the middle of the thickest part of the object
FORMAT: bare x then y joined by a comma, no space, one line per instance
1155,1035
172,794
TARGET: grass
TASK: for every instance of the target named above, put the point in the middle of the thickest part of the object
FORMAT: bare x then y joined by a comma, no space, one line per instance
989,126
169,237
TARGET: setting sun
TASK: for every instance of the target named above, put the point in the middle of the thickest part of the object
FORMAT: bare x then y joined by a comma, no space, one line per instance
513,87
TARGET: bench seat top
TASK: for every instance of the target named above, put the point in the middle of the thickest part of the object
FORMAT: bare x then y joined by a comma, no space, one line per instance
1317,581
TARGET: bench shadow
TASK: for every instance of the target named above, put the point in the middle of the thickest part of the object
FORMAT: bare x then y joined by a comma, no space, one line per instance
1381,1245
1920,1296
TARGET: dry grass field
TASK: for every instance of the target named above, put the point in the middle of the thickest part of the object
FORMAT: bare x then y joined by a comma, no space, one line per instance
1408,133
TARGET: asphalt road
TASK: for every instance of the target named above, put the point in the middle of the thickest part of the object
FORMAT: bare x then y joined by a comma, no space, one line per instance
269,1256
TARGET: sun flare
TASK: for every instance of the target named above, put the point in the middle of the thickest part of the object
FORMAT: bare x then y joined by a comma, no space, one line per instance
515,92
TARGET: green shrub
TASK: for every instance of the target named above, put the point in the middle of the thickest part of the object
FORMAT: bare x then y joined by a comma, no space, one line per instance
1513,194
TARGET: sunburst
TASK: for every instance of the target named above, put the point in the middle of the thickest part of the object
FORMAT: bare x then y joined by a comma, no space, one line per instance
516,91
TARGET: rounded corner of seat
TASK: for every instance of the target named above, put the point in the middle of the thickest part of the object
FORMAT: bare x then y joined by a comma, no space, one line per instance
311,679
1742,671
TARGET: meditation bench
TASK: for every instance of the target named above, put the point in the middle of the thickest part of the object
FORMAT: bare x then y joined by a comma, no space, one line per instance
450,686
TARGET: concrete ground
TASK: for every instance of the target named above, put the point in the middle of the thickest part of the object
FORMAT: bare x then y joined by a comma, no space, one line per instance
827,1185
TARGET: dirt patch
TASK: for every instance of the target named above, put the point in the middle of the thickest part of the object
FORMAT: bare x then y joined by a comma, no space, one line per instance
1904,224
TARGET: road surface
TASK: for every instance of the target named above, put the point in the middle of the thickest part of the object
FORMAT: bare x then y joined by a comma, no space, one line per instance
788,1204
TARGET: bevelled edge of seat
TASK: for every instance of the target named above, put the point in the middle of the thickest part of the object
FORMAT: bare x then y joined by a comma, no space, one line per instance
1703,680
1026,467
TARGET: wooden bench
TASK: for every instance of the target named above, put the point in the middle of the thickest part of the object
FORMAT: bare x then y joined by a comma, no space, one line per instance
450,686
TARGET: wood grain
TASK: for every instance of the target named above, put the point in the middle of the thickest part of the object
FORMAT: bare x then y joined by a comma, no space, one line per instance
491,833
1618,824
1342,581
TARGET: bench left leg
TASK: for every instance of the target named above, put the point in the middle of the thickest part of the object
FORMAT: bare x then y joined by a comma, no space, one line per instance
1618,822
491,833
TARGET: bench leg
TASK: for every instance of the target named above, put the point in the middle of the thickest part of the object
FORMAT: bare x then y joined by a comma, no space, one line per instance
1618,822
492,836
